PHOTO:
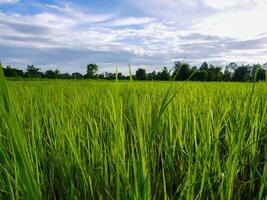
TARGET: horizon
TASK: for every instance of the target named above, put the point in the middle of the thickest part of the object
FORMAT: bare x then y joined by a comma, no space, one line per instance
147,34
133,69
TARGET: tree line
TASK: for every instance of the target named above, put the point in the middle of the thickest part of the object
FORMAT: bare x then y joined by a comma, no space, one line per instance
180,71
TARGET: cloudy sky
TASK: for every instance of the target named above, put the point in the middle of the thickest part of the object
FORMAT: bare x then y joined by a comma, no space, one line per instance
149,33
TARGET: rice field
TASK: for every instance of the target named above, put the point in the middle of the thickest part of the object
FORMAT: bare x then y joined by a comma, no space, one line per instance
67,139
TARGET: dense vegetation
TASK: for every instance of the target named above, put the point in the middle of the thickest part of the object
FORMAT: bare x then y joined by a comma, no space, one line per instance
67,139
180,72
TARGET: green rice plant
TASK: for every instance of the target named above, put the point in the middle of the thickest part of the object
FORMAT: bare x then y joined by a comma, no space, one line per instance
70,139
130,74
16,162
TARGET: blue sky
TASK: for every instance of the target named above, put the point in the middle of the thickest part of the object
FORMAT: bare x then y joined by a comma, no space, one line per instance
143,33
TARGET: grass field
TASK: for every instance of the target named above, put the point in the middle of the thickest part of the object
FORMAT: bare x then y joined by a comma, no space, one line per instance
132,140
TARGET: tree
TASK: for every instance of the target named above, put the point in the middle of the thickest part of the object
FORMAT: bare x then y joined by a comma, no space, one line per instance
57,73
229,71
12,72
261,74
120,76
141,74
164,75
218,74
52,74
33,72
204,72
214,73
265,71
152,76
204,66
202,75
65,76
232,67
91,70
242,73
258,71
227,76
110,76
181,71
76,75
194,71
101,76
211,74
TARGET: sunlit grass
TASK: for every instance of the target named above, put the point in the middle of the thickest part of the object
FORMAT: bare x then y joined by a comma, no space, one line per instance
139,140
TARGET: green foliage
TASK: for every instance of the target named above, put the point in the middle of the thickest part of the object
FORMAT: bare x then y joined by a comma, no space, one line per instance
164,75
91,70
18,172
52,74
141,140
116,73
33,72
141,74
130,74
12,72
182,71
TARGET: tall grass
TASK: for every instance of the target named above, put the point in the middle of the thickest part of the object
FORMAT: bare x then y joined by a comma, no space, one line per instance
103,140
16,164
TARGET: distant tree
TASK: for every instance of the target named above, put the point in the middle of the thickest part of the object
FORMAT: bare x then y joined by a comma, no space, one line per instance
91,71
203,72
218,74
65,76
12,72
110,76
126,77
229,71
214,73
33,72
211,73
152,76
164,75
50,74
141,74
204,66
120,76
203,75
261,74
227,75
258,72
181,71
76,75
57,73
232,67
101,76
194,71
242,73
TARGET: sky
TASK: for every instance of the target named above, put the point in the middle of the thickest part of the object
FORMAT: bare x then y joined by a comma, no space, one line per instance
151,34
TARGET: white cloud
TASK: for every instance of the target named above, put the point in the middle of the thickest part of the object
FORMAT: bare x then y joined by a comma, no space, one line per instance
128,21
226,18
72,36
79,15
61,31
242,24
238,4
179,5
219,4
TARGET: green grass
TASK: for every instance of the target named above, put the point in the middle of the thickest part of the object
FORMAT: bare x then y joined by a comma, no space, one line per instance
67,139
